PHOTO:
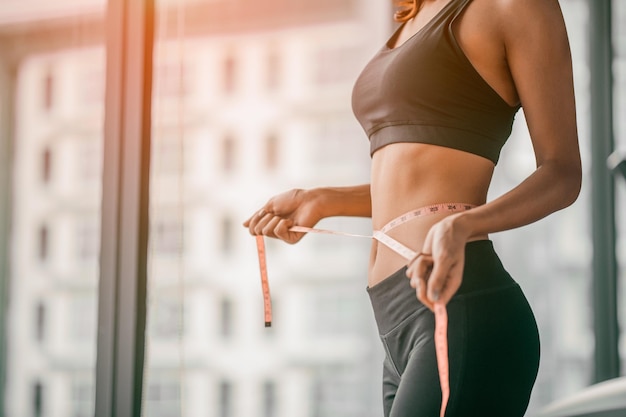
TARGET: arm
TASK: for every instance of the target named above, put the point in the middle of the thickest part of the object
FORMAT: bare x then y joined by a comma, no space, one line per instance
537,52
306,208
539,59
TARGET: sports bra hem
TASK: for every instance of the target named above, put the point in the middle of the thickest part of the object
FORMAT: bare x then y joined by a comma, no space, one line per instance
446,136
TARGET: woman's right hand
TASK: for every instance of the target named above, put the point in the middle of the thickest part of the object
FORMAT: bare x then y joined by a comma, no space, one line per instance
296,207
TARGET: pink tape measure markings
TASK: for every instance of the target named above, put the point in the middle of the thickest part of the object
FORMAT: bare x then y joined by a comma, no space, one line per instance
265,285
441,315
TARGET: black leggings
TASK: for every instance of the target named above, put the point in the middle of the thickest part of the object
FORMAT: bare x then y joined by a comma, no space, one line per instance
492,340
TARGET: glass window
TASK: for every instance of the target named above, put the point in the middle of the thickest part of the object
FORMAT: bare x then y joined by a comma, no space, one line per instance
228,151
226,399
162,396
272,152
37,404
252,134
87,239
273,69
82,320
339,391
337,64
43,242
45,50
269,399
40,322
48,90
229,80
167,154
46,165
82,396
335,310
167,238
227,234
171,80
226,315
89,160
166,318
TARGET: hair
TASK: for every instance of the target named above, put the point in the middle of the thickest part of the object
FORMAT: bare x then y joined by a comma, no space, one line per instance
407,9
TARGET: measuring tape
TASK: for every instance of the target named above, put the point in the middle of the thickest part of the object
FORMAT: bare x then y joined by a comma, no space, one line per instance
441,315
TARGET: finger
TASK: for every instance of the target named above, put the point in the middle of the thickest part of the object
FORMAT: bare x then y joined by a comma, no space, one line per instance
268,230
253,220
261,223
420,292
282,230
424,266
438,277
419,274
453,283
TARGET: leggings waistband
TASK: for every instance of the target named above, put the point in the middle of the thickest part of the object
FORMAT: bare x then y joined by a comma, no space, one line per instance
393,299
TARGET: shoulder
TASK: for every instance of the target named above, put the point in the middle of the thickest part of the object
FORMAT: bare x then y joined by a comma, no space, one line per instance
512,21
528,20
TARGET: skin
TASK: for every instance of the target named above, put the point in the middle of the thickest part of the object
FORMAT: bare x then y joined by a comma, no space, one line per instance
520,48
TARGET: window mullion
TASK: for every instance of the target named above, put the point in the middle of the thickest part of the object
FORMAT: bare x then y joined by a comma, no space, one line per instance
122,287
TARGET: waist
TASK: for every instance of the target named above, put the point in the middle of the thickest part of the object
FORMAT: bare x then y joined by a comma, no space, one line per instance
393,299
408,175
401,238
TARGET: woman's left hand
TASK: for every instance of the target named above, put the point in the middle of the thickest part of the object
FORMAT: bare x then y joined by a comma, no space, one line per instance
436,273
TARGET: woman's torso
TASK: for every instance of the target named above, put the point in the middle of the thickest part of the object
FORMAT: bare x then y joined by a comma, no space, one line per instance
406,176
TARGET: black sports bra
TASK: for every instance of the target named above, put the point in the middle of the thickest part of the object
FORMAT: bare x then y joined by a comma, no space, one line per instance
427,91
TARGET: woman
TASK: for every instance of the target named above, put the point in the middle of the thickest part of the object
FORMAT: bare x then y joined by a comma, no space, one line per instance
437,102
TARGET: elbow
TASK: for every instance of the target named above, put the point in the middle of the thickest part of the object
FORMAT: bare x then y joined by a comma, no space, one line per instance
571,181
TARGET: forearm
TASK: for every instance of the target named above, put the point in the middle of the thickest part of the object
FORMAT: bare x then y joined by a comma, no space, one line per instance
342,201
550,188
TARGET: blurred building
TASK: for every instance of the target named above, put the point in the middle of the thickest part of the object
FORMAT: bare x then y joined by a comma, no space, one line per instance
249,102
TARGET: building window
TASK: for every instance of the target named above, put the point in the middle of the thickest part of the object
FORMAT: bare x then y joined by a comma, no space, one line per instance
46,166
40,322
228,154
273,70
336,65
92,87
230,74
38,399
339,391
269,399
166,318
337,311
226,399
271,152
83,320
163,397
168,154
87,239
227,235
89,161
168,236
226,318
171,80
43,243
82,398
48,90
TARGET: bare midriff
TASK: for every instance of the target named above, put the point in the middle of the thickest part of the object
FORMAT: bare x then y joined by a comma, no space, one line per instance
406,176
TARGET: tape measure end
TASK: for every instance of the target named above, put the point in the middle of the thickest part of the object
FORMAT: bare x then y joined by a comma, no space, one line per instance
268,324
